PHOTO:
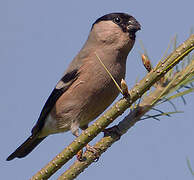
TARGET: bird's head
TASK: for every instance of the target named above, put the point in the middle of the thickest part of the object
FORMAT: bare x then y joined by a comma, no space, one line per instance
116,29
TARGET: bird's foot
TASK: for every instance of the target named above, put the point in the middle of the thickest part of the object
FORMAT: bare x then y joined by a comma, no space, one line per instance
94,150
90,149
79,155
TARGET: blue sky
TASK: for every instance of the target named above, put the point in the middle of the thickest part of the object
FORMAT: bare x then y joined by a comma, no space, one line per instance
38,39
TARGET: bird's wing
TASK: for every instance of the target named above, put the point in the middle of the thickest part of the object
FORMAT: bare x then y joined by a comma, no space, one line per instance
60,88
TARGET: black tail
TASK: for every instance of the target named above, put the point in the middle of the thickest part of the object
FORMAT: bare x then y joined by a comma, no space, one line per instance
26,147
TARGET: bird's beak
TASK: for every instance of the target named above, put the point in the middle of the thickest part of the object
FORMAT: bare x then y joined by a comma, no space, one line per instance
133,25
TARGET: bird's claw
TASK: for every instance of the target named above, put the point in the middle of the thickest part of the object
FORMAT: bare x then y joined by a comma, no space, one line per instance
79,155
90,149
94,150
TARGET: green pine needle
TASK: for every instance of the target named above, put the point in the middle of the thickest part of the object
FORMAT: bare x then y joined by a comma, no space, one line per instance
109,74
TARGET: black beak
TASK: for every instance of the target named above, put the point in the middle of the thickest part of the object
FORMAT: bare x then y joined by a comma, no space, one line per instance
133,25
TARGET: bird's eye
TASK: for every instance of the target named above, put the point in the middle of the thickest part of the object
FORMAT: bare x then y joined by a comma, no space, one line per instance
117,20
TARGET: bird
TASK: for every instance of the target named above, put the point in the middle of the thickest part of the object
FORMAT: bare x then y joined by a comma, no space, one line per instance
86,89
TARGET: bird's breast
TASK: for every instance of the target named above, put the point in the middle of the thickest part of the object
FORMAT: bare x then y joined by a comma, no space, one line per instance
89,95
97,89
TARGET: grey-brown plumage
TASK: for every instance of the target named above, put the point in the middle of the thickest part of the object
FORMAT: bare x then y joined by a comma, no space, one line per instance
86,89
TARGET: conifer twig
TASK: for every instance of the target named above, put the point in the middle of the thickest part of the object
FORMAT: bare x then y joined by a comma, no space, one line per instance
116,110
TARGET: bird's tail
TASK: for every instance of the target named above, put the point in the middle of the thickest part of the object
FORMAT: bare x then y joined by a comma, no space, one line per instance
26,147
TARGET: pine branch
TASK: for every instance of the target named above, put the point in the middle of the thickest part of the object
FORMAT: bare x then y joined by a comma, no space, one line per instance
128,122
117,109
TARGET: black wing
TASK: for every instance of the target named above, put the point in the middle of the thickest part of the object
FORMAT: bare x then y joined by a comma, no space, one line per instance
60,88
